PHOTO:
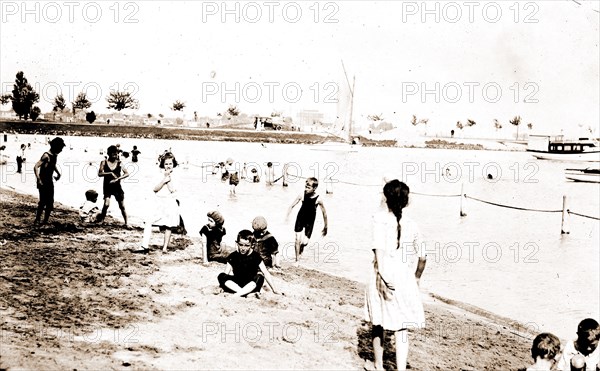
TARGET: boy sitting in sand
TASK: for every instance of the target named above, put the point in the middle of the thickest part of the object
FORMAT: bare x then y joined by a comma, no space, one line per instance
212,236
584,352
89,212
545,352
266,244
305,220
245,272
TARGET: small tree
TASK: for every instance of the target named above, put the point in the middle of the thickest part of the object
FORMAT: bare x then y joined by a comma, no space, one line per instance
149,115
497,124
59,103
233,111
530,126
459,125
23,96
471,123
118,100
90,117
375,118
178,106
516,121
81,102
414,120
5,98
35,113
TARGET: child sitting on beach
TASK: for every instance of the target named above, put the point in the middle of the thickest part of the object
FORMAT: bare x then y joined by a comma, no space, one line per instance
266,244
584,352
305,220
245,272
212,235
545,352
89,212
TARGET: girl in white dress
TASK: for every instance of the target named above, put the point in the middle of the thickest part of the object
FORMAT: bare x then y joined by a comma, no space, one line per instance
392,300
166,211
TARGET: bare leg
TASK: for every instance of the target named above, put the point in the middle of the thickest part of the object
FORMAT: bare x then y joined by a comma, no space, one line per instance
147,234
401,349
123,212
167,239
104,208
377,336
246,289
233,286
298,245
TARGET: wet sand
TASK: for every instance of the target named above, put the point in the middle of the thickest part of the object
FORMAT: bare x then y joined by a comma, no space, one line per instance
75,297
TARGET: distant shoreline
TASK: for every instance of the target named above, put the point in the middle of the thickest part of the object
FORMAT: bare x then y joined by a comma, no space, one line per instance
235,135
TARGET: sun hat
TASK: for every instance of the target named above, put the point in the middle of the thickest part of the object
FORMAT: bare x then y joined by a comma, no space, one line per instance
259,223
216,216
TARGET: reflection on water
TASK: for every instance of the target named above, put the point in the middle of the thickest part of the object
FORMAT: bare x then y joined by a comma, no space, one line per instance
513,263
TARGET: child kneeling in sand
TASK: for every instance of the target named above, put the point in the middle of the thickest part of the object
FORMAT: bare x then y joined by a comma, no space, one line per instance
266,244
545,352
89,212
245,272
213,248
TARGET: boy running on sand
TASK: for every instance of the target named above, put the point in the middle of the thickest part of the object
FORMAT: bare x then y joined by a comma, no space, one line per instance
43,170
305,220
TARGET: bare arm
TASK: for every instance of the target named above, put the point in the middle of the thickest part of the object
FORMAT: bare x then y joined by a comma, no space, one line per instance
298,199
204,248
38,165
163,182
324,233
268,277
101,172
420,269
228,269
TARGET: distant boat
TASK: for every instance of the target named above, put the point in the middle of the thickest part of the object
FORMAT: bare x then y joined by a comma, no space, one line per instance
583,175
556,148
344,114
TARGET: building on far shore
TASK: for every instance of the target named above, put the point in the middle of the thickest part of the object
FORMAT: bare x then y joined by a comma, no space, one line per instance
308,120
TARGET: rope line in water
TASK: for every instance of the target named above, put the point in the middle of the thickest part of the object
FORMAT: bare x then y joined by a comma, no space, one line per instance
512,207
430,195
466,196
584,216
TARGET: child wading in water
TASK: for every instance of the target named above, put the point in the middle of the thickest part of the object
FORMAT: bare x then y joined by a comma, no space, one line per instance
112,172
305,220
43,170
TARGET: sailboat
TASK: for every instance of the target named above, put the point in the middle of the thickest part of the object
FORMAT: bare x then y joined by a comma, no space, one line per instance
343,121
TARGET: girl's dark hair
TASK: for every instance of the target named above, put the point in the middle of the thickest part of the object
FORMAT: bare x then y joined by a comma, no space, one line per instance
165,157
396,196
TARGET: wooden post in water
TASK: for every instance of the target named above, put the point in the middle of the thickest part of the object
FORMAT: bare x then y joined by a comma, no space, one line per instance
462,200
564,225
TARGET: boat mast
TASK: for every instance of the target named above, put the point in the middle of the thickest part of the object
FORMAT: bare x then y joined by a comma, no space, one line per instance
351,101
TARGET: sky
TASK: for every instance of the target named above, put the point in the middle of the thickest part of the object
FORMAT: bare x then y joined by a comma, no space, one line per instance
443,61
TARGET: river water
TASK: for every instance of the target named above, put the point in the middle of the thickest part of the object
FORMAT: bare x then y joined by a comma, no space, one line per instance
510,262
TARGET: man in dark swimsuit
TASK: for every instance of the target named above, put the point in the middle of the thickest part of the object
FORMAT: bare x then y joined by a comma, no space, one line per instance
305,220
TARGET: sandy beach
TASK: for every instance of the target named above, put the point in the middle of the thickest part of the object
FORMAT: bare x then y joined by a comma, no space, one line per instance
75,297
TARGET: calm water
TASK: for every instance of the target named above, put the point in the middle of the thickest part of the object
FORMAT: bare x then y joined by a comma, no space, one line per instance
513,263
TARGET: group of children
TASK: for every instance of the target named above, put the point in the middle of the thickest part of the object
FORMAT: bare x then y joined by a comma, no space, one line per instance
583,354
230,172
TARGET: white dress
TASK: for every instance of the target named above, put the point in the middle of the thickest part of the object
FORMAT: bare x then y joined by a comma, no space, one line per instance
166,210
404,309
